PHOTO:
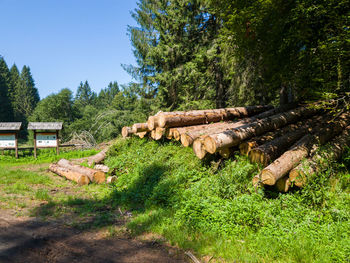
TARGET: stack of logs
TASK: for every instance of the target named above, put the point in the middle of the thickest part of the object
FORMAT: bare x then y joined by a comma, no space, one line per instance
74,171
284,140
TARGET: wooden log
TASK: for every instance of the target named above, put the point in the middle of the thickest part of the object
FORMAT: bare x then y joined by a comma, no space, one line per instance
111,179
97,158
234,137
246,146
301,149
207,116
283,185
159,133
153,134
268,152
152,122
95,176
139,127
126,131
141,134
101,167
198,148
320,160
80,179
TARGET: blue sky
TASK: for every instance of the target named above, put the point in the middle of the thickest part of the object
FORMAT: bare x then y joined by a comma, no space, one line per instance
68,41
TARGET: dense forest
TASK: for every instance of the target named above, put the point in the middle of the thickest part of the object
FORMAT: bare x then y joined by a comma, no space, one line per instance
202,54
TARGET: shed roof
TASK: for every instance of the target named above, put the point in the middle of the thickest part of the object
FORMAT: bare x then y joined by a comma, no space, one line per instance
45,126
10,126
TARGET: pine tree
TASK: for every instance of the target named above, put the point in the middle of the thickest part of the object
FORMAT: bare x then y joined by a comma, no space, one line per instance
26,95
176,52
106,95
14,79
6,112
85,96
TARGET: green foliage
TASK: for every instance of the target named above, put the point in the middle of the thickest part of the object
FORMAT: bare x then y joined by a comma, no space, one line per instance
6,112
216,210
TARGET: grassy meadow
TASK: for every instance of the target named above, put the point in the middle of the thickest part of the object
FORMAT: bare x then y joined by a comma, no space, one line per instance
208,206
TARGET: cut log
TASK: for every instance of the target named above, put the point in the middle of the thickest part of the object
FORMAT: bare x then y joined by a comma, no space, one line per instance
234,137
140,127
198,148
126,131
321,160
159,133
95,176
283,185
246,146
141,134
111,179
188,137
256,181
97,158
79,178
207,116
269,151
153,134
301,149
152,122
101,167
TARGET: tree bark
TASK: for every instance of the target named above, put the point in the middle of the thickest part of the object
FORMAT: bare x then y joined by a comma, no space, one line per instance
140,127
271,150
79,178
187,138
301,149
321,160
97,158
95,176
230,138
207,116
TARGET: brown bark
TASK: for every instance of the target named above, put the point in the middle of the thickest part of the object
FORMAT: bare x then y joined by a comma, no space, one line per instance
95,176
233,137
79,178
126,131
321,160
188,137
301,149
97,158
207,116
140,127
246,146
198,148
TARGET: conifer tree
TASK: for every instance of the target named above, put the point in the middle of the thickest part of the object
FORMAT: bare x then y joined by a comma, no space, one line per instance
84,96
26,95
6,112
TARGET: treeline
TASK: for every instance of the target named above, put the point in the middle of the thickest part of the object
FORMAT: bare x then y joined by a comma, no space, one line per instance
200,54
97,116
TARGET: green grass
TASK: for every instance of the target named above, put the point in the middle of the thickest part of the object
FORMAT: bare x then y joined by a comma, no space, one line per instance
208,206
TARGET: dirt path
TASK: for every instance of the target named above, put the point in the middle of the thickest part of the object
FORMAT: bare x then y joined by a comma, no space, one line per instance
27,239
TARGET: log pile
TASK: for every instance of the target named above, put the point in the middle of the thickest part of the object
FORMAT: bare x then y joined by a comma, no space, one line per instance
277,138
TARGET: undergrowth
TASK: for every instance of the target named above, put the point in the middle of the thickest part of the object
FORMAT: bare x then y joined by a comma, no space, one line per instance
210,206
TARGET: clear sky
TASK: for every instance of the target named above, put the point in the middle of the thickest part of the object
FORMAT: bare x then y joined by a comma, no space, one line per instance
68,41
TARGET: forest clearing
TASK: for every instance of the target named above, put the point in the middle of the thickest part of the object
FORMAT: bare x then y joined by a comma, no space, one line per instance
175,131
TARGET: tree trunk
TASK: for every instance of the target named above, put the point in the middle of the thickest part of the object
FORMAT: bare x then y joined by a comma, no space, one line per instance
207,116
269,151
79,178
247,146
152,122
320,161
198,148
95,176
140,127
159,133
126,131
141,134
97,158
187,138
230,138
301,149
225,153
283,185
